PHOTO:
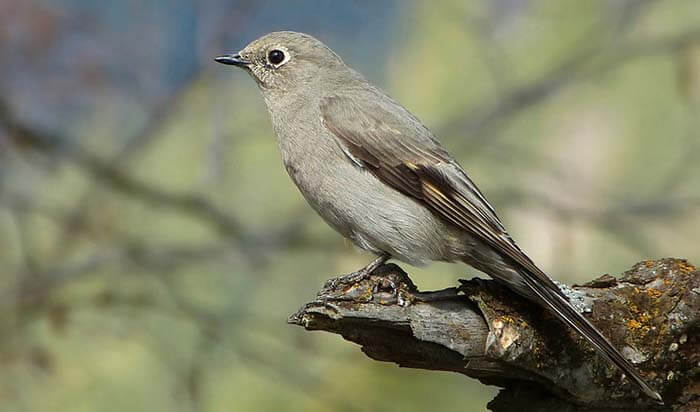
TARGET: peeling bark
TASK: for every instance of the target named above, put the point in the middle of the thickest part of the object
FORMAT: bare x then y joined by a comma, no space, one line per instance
483,330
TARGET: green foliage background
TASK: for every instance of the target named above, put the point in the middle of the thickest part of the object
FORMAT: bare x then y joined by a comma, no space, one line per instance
579,120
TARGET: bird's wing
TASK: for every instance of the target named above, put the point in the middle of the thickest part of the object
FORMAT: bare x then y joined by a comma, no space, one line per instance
393,145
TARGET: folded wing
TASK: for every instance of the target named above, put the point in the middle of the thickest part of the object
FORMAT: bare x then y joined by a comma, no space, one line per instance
393,145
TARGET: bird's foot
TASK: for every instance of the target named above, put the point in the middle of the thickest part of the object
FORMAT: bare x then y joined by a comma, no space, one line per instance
349,279
383,284
357,276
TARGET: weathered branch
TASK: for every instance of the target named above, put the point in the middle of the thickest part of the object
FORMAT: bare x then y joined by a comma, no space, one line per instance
482,330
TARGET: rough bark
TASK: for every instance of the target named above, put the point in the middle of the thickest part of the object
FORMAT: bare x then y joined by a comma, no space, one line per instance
482,330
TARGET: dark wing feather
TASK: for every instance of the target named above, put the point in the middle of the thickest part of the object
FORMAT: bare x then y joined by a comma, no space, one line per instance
401,152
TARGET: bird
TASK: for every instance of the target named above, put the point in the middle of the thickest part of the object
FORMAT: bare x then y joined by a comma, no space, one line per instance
380,178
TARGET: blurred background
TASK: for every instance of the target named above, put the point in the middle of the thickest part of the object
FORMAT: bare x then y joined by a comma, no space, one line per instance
152,246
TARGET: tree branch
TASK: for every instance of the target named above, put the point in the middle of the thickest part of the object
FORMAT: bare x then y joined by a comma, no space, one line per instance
484,331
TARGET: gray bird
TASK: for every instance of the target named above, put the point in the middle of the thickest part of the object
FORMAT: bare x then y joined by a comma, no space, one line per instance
378,176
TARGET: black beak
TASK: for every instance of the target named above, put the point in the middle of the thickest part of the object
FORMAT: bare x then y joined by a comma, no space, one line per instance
232,59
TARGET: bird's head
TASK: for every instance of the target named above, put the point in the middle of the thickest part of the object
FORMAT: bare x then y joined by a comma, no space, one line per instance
285,60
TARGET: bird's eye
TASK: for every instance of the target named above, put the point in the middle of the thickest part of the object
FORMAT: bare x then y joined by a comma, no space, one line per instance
275,56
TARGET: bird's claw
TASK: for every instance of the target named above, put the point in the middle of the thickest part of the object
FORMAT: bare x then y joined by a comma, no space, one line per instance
358,276
347,280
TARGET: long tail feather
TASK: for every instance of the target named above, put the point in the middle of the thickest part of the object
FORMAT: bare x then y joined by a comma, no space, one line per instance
560,307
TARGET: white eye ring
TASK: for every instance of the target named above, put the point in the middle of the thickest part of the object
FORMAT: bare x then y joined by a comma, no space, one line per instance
277,56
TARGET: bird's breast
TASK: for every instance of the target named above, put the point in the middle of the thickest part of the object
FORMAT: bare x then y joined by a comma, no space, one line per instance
353,201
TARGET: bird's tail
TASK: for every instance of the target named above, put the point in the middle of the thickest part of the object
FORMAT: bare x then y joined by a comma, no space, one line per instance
561,307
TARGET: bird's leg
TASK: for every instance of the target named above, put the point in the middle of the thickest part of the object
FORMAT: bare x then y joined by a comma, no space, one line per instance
359,275
373,265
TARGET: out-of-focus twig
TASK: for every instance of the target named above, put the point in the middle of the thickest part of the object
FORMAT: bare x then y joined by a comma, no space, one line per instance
47,143
583,65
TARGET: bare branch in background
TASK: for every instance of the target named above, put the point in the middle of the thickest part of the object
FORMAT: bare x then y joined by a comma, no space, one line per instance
194,205
584,65
157,120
